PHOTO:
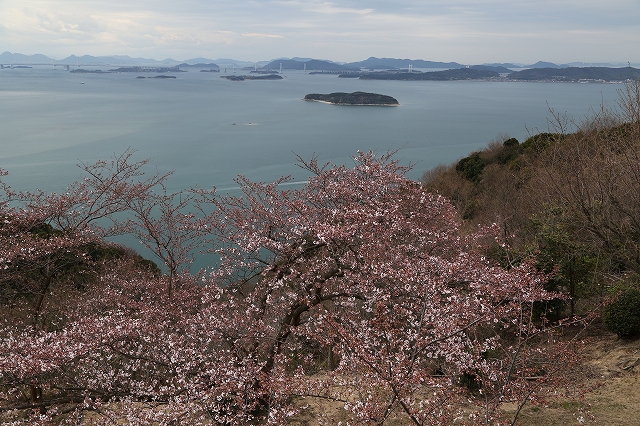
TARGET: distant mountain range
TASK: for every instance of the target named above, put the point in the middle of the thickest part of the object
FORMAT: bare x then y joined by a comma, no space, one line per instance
119,60
312,64
18,58
296,63
374,63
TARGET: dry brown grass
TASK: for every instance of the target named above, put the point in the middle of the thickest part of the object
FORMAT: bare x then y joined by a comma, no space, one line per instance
611,369
608,379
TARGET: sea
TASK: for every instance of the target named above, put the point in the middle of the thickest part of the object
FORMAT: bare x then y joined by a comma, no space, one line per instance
208,130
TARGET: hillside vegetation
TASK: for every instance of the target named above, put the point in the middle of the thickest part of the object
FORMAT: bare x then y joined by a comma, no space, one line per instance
570,197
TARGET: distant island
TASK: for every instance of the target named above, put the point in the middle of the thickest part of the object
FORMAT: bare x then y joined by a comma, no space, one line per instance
497,73
147,69
355,98
313,64
310,64
252,77
447,75
576,74
83,71
158,76
373,68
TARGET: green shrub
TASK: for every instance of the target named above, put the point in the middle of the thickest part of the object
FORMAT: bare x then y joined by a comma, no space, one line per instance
511,142
471,167
622,316
540,142
510,150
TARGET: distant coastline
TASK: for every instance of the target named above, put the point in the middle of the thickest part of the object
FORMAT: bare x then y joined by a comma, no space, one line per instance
147,69
252,77
372,68
84,71
9,59
550,75
447,75
161,77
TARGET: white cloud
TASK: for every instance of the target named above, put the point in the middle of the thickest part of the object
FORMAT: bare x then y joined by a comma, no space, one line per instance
259,35
460,30
333,9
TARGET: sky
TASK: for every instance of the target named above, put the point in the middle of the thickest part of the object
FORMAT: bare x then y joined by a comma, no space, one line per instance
464,31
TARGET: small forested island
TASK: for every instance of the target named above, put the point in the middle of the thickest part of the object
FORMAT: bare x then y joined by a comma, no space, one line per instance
147,69
161,77
252,77
499,73
576,74
84,71
355,98
447,75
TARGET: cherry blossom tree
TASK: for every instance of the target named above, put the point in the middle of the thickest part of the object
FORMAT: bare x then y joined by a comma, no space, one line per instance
172,226
48,239
359,274
363,261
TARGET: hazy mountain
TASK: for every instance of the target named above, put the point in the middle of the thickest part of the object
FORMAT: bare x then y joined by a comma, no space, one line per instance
542,64
124,59
292,63
200,60
9,58
121,60
299,59
91,60
287,64
229,63
505,65
313,64
392,63
209,65
495,68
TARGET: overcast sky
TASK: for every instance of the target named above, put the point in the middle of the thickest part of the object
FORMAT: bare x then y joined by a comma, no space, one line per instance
465,31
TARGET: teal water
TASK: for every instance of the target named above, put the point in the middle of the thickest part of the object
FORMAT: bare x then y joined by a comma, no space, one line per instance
209,129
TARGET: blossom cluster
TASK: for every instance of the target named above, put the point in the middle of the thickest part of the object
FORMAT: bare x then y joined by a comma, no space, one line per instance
358,288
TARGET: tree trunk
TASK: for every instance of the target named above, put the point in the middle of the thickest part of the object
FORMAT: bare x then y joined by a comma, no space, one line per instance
36,398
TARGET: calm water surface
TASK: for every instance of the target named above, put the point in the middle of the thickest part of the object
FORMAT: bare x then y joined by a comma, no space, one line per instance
209,129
